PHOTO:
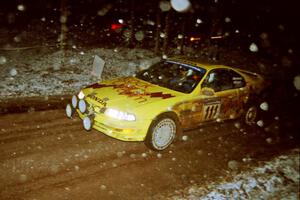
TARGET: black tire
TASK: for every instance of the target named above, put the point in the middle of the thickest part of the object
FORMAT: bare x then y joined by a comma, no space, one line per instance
157,141
252,111
251,114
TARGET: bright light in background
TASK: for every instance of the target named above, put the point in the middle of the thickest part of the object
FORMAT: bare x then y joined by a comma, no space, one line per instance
194,39
116,26
121,21
181,5
216,37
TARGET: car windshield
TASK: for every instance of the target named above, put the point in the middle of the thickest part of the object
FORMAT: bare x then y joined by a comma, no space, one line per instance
173,75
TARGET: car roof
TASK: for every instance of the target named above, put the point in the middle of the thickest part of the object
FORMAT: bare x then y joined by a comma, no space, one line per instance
208,66
196,63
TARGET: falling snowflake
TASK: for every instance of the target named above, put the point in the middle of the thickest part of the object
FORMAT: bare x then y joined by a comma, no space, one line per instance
185,138
297,82
63,19
180,36
199,21
227,20
103,187
21,7
17,38
164,6
144,155
181,5
253,47
269,140
260,123
264,106
13,72
2,60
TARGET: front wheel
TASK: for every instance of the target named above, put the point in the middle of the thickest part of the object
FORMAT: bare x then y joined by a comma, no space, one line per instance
162,132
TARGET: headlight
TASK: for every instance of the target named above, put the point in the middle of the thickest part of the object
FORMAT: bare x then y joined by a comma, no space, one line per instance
80,95
119,114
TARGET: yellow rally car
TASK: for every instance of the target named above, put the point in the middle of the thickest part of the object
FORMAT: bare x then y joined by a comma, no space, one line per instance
158,103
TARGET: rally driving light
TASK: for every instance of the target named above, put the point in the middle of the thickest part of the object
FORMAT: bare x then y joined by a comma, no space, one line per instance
119,114
87,123
74,101
80,95
69,111
82,106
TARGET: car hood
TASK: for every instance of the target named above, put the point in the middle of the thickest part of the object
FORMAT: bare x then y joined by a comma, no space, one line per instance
126,93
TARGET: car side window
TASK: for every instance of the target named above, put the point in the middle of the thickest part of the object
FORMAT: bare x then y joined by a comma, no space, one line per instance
238,80
223,79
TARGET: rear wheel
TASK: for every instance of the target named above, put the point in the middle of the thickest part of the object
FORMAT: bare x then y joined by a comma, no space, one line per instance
162,132
251,115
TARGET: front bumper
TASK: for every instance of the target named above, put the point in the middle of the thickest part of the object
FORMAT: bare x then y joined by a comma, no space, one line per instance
121,130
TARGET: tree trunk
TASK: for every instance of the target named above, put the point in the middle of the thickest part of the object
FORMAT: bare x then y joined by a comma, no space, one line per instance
157,34
183,34
167,34
132,22
63,29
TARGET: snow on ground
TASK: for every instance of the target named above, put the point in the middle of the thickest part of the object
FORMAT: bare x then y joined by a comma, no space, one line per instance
27,73
274,179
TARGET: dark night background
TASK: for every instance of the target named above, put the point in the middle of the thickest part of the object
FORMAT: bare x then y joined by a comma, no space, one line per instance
276,19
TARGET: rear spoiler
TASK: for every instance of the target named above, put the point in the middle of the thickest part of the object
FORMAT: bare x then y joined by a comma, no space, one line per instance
253,74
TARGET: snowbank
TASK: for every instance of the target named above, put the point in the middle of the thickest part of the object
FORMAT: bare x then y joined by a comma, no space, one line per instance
28,73
275,179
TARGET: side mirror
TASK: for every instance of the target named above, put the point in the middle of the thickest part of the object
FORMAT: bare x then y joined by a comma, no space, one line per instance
207,91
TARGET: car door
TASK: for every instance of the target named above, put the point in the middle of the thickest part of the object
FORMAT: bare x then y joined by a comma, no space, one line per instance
225,103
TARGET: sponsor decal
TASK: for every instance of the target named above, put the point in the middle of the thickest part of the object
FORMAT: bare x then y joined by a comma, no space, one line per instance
133,88
101,101
160,94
